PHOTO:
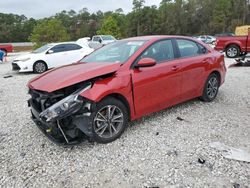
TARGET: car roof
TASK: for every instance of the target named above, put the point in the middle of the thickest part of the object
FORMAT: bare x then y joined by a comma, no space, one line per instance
56,43
156,37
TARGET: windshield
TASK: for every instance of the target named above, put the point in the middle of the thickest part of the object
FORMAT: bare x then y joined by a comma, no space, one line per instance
118,52
42,49
107,37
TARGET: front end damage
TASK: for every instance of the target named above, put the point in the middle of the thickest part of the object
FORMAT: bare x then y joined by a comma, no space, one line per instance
63,116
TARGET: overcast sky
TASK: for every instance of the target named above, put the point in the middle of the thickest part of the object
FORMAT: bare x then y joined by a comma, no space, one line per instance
46,8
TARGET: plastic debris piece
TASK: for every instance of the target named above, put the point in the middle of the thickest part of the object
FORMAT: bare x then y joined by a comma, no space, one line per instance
231,152
7,76
180,119
201,160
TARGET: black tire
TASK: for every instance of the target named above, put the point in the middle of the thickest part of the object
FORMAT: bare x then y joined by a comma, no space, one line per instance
209,91
232,51
40,67
106,137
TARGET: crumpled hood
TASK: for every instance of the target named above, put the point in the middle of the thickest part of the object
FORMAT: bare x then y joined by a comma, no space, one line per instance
65,76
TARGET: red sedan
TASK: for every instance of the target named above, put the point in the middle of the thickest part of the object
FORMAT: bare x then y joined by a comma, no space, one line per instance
96,97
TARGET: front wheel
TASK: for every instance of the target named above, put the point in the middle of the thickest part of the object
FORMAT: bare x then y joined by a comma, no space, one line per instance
109,120
40,67
211,88
232,51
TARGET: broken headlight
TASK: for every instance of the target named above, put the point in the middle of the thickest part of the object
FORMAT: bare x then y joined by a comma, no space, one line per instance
64,107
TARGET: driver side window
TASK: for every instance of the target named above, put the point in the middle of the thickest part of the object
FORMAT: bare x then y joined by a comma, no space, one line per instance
160,51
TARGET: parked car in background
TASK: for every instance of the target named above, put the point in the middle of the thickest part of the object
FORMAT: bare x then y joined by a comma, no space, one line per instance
207,39
6,48
120,82
101,40
84,41
233,46
227,34
50,56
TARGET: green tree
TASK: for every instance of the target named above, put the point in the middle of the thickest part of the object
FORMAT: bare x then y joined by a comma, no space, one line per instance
110,27
49,30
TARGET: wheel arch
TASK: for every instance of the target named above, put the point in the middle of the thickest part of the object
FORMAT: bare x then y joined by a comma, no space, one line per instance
40,61
121,98
233,44
217,73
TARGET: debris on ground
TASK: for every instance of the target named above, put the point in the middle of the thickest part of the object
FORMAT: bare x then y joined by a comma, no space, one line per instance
231,152
236,185
242,62
201,160
7,76
180,119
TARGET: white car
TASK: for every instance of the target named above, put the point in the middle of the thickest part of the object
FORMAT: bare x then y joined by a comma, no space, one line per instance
50,56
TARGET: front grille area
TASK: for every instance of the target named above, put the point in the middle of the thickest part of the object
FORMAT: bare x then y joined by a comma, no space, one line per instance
15,66
42,100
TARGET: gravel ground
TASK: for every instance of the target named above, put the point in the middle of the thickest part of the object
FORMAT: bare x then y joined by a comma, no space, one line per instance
155,151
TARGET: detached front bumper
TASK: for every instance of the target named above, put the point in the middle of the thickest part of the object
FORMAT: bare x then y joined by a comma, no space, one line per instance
72,130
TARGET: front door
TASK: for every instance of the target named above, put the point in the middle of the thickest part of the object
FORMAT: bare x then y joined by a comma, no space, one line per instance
157,87
57,56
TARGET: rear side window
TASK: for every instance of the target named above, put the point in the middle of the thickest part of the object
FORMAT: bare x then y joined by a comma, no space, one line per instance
160,51
188,48
70,47
59,48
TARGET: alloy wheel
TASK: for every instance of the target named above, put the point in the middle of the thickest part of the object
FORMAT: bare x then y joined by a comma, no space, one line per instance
212,87
40,67
108,121
232,52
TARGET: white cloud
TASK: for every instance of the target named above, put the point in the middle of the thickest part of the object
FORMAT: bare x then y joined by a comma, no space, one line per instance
46,8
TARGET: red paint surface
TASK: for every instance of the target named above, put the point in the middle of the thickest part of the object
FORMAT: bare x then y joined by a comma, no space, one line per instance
146,89
243,42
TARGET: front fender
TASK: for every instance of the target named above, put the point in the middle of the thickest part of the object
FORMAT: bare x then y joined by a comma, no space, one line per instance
120,85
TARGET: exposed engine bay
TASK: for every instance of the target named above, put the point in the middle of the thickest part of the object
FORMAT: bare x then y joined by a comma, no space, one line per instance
64,116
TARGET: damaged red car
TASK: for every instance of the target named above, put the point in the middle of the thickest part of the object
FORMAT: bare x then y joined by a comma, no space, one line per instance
95,98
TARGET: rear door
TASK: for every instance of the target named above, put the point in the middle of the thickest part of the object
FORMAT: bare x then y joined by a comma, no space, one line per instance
194,60
157,87
74,53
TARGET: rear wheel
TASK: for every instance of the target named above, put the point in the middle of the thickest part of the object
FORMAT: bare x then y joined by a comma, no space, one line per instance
40,67
232,51
109,120
211,88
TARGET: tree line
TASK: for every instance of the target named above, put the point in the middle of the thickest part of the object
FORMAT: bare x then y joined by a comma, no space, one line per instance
174,17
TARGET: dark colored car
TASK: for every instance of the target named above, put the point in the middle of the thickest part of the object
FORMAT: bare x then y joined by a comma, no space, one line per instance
233,46
94,99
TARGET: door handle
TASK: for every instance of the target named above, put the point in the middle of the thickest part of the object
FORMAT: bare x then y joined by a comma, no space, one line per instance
175,68
204,61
